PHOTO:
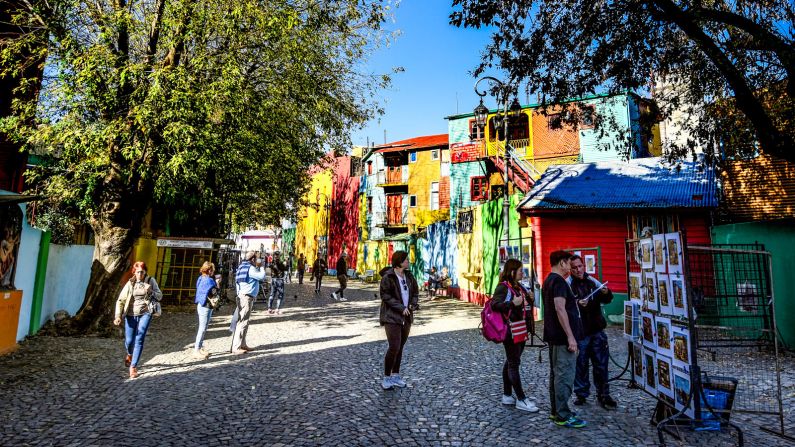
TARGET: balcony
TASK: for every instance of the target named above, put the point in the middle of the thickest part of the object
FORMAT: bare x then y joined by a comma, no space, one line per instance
495,147
394,177
391,219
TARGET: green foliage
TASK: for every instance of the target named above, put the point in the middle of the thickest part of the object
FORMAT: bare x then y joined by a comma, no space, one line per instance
207,104
723,66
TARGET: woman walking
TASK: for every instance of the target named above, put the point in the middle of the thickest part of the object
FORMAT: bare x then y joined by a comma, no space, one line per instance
134,305
206,285
513,301
399,298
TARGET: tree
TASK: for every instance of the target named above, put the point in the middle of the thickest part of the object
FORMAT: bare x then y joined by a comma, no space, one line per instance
727,64
214,103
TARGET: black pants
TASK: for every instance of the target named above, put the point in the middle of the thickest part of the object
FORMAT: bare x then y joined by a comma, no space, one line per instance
300,276
510,370
396,335
318,281
343,285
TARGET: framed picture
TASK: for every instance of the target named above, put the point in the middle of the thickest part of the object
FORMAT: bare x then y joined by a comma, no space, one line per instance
659,253
682,391
503,254
631,320
665,383
634,288
676,282
647,330
637,364
662,332
673,246
664,300
646,249
681,345
525,254
650,371
590,264
650,291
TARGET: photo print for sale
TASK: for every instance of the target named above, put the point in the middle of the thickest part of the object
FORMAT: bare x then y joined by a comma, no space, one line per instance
649,371
646,249
659,253
650,291
634,287
664,295
664,336
647,328
681,347
678,294
631,320
637,355
682,391
673,244
664,373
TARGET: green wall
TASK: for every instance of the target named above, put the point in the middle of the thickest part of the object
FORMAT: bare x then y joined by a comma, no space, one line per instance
493,226
779,240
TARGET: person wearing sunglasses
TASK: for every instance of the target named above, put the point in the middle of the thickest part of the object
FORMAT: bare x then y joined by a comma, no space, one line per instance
134,305
399,299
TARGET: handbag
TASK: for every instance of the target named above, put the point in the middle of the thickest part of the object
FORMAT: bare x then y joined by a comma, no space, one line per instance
519,331
154,305
213,298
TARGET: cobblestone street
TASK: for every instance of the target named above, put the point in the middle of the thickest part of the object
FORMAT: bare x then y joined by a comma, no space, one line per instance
312,379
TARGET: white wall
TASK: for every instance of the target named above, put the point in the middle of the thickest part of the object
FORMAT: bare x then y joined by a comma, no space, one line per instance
26,272
68,272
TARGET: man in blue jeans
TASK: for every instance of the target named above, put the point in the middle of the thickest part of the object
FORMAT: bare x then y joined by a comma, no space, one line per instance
593,348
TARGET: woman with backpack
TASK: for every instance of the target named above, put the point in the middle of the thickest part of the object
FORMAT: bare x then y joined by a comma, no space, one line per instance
399,297
512,301
136,304
206,286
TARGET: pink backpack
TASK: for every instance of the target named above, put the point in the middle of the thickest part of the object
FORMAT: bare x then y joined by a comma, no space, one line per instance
493,326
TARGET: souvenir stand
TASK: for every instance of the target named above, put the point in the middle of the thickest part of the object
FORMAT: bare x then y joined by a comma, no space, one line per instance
659,324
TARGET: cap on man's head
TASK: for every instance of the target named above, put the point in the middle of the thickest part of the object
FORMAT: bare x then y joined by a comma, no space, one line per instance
251,254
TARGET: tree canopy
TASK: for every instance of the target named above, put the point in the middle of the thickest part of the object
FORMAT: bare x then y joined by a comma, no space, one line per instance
202,103
725,65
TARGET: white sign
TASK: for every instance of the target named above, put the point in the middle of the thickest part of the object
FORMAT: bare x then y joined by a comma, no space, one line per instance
180,243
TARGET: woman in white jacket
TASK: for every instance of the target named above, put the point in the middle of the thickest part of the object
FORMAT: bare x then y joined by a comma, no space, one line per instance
134,305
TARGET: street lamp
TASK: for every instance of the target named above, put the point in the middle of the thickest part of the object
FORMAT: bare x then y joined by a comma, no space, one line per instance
510,110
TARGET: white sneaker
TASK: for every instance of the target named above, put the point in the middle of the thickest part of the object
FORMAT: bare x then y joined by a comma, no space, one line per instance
526,405
508,400
342,298
334,296
397,381
386,383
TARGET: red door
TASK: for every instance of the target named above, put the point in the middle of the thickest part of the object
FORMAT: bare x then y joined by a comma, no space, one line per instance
394,209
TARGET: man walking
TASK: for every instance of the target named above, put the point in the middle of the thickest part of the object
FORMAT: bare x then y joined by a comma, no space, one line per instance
562,331
278,269
247,280
593,348
301,267
342,277
318,270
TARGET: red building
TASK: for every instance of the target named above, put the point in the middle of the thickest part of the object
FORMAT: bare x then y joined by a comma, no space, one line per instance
593,208
344,218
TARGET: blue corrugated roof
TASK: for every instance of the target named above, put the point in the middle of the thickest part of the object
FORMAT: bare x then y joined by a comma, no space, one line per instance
645,183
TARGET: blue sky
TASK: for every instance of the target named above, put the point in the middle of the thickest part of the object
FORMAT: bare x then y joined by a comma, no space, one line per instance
438,59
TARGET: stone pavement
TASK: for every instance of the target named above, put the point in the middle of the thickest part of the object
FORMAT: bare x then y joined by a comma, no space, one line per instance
312,379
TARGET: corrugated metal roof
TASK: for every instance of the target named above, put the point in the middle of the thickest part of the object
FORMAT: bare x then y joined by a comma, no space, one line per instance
646,183
411,144
759,189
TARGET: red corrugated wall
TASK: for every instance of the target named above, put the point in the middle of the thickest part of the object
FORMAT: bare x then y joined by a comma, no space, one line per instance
343,231
607,233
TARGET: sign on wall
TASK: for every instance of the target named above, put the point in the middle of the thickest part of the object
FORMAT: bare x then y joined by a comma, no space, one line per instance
181,243
464,222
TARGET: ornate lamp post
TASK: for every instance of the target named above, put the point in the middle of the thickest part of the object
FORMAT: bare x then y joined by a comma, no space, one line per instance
510,110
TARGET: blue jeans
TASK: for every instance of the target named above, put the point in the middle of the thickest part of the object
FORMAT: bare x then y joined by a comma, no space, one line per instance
593,350
134,333
205,313
277,293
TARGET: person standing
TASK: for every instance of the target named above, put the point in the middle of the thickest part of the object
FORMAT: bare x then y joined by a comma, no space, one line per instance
399,300
206,285
289,274
247,279
512,300
562,331
318,270
278,269
593,347
342,277
300,268
133,305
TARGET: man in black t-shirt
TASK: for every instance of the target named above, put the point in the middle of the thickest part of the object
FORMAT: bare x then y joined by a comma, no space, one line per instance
562,330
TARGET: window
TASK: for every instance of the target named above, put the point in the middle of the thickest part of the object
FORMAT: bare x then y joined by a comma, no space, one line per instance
587,117
475,133
412,157
434,195
435,154
369,168
479,188
413,201
369,204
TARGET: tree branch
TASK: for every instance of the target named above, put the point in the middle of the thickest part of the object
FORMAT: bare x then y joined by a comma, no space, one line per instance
154,32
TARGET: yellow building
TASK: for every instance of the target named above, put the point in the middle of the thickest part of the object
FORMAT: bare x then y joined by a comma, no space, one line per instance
311,229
